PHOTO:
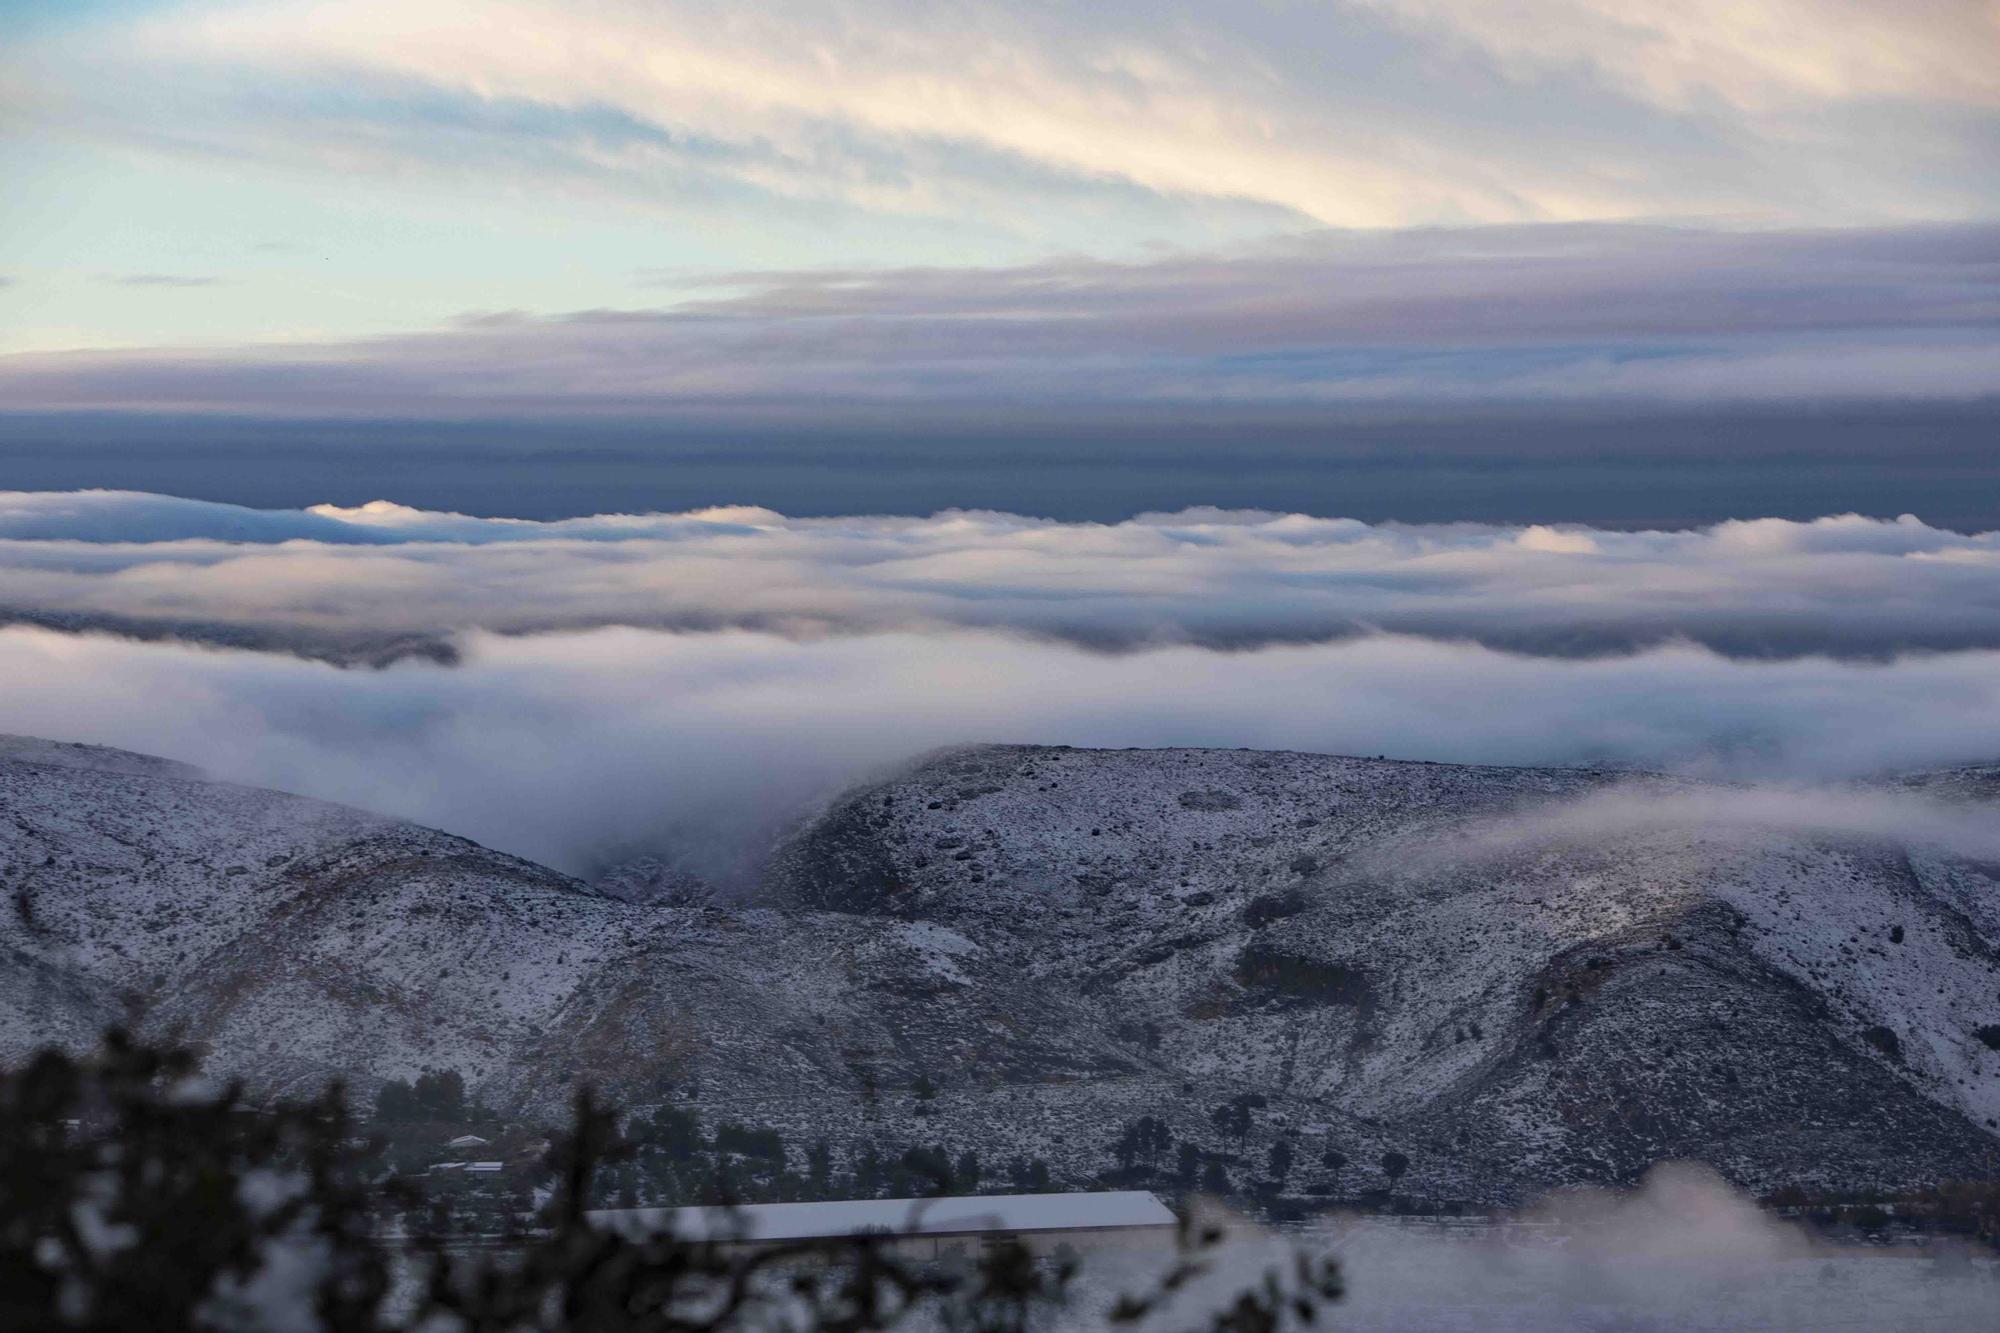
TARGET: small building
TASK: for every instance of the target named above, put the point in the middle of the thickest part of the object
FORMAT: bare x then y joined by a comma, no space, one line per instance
467,1141
922,1228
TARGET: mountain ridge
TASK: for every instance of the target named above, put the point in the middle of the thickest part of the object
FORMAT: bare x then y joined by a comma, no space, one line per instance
1391,955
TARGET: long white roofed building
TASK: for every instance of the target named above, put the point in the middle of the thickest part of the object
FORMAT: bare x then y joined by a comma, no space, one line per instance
1118,1218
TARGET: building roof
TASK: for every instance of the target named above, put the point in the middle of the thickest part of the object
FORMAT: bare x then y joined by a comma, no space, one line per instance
983,1214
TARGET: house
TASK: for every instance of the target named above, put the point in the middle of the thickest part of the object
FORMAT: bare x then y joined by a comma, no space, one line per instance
922,1228
467,1141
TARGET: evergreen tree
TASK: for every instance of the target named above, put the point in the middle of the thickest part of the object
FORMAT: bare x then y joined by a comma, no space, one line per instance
928,1171
672,1130
1335,1161
1189,1167
765,1144
440,1095
396,1102
819,1168
868,1173
1127,1147
1233,1116
1029,1176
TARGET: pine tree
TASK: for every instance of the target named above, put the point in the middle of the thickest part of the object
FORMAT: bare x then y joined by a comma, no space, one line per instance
396,1101
1335,1161
1189,1167
440,1095
868,1173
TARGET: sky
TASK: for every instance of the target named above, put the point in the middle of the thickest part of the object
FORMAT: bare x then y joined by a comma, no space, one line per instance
427,209
578,422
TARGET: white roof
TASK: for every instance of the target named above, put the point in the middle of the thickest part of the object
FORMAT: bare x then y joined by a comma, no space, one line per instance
900,1217
465,1141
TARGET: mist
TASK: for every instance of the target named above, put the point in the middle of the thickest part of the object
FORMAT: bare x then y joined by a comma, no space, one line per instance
1720,812
581,748
1683,1251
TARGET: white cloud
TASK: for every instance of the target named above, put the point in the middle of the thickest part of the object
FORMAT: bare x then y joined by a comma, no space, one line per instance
356,582
1854,813
1372,113
1761,55
685,682
577,747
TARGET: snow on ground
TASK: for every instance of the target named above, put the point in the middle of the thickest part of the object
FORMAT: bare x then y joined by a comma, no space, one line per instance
1391,955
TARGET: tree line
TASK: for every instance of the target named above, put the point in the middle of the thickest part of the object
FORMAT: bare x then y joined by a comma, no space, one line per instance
134,1194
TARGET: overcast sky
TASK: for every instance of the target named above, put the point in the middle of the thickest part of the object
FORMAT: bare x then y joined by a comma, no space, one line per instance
439,207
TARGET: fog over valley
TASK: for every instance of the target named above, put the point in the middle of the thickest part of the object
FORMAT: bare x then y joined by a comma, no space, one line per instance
862,666
589,690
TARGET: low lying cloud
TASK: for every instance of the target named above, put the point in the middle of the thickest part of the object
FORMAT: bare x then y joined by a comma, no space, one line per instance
583,748
368,582
1962,829
1550,314
1682,1251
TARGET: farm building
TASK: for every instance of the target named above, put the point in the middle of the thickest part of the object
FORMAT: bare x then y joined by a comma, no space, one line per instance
1122,1219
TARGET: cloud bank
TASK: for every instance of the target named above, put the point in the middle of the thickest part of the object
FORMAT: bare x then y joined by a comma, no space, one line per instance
1570,314
583,748
585,690
364,583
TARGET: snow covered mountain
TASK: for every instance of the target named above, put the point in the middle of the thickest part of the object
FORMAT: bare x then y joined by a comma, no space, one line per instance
1560,973
1514,977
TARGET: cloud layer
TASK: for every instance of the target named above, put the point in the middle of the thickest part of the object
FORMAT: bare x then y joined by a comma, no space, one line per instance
1364,113
585,690
1563,314
365,582
583,748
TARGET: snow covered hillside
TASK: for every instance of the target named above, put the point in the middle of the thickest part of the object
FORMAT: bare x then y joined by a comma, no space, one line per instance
1514,977
1535,975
